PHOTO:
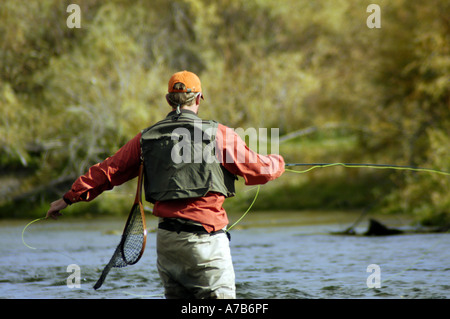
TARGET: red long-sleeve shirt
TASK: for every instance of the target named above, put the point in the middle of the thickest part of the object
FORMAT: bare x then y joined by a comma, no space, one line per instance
231,150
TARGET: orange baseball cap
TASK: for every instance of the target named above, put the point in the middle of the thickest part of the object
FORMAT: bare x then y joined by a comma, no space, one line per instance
189,79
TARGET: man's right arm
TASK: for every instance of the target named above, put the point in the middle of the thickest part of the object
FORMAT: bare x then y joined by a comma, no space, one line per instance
237,158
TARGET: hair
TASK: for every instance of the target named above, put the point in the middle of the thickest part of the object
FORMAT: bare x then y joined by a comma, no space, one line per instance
180,98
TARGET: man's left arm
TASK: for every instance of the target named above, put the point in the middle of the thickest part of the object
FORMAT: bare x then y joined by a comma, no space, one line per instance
113,171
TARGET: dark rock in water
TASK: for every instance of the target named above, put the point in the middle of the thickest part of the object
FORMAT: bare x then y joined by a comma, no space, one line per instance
377,229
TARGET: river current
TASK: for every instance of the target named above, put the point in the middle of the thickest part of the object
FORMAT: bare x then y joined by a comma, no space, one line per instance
286,256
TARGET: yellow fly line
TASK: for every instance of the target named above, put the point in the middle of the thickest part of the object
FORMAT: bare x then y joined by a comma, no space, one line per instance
248,209
348,165
311,167
23,231
354,165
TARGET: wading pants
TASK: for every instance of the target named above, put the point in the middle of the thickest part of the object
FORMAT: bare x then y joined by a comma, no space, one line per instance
193,265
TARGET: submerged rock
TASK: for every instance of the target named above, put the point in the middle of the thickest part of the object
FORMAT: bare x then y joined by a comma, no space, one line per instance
375,228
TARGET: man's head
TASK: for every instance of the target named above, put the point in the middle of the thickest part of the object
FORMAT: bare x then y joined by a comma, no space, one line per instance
185,90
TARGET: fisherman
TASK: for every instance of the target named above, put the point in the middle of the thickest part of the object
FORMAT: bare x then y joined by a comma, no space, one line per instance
187,190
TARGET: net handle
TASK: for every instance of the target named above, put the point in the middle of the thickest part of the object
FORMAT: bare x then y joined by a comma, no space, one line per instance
138,198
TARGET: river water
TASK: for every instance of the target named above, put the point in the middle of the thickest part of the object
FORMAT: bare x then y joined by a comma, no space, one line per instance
279,256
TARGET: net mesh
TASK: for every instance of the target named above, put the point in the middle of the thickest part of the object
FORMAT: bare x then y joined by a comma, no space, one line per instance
133,240
131,245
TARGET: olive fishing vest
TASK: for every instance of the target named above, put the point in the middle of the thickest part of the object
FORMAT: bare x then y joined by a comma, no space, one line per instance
180,161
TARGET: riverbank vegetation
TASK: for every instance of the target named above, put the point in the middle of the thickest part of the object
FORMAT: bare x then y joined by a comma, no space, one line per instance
70,97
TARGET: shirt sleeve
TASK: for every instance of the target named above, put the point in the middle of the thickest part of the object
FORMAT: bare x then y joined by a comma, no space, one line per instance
113,171
237,158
